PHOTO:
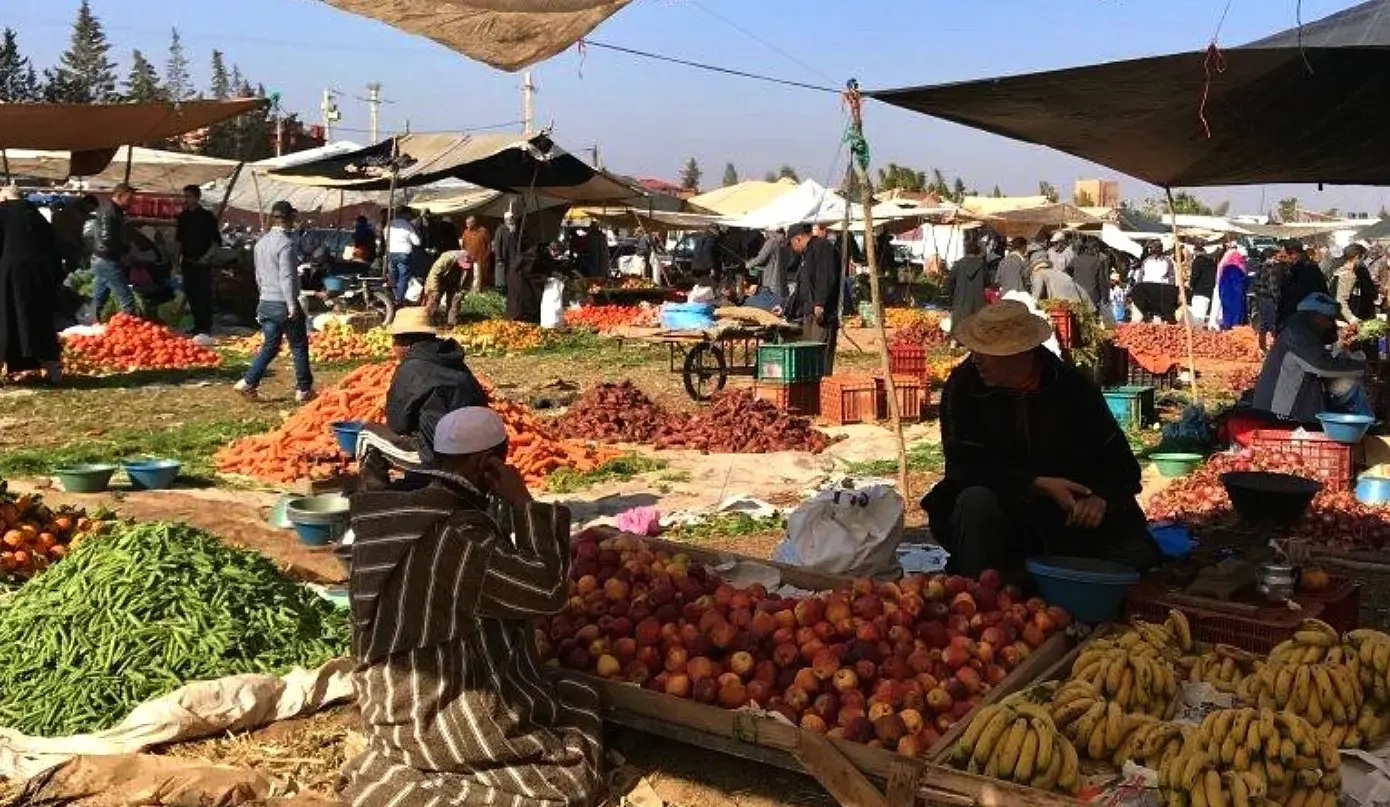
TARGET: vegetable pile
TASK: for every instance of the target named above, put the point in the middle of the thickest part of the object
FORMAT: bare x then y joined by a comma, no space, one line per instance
604,318
738,423
890,664
904,317
335,342
33,535
130,343
922,332
536,452
1237,344
613,413
498,337
134,614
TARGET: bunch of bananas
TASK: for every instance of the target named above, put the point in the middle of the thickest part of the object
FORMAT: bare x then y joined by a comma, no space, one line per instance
1018,742
1131,674
1190,777
1224,667
1258,755
1371,648
1094,725
1170,640
1314,642
1151,743
1327,695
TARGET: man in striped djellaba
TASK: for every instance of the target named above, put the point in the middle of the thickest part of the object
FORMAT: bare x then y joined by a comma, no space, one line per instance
455,708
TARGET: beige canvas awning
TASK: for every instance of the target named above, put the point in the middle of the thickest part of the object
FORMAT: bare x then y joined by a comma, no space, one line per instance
507,34
743,197
106,127
150,170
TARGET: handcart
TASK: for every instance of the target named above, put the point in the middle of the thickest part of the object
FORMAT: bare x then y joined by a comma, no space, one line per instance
706,358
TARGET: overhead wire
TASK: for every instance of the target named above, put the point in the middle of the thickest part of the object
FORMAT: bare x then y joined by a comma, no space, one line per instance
760,40
592,43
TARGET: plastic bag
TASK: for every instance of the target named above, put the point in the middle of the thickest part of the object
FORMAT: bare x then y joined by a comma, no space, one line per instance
553,303
640,521
415,290
846,532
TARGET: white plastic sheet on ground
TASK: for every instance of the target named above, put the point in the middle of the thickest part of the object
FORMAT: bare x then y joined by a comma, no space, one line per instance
234,703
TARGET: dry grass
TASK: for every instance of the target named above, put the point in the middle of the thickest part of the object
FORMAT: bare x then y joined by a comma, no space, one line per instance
305,753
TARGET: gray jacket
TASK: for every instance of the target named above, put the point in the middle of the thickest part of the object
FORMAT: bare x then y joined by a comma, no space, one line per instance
773,259
277,269
1012,274
1054,284
1291,382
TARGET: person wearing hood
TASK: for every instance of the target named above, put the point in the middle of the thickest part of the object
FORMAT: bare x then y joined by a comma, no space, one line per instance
431,380
1091,270
1012,272
1035,462
966,281
1228,307
1301,278
1302,376
1051,283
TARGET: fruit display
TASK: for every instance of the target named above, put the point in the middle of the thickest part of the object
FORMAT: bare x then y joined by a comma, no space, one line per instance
1223,666
1236,344
34,536
1091,722
1134,674
498,337
738,423
941,363
129,343
613,412
899,318
924,331
893,665
604,318
1017,741
336,341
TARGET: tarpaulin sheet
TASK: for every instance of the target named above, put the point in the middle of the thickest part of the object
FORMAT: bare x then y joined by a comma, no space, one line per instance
150,170
508,34
93,127
1150,118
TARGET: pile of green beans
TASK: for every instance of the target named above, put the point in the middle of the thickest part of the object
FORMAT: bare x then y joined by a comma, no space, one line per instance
142,610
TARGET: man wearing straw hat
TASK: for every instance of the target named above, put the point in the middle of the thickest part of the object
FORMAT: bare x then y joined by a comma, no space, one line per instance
1035,462
431,381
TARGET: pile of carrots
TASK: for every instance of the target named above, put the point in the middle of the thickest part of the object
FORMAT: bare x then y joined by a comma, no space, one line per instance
131,343
603,318
33,535
334,342
304,446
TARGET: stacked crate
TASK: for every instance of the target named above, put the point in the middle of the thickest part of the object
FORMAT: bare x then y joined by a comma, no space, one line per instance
789,376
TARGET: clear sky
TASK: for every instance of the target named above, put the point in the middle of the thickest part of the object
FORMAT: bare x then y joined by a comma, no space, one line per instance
648,117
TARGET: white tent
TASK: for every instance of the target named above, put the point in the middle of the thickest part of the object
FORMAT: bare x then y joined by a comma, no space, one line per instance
150,170
809,202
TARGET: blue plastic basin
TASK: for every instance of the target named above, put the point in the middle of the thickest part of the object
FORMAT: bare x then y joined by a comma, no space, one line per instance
346,432
337,283
1373,490
318,520
1345,428
687,316
152,474
1090,590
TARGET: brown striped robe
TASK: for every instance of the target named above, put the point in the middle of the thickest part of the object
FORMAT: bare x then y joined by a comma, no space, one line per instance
455,709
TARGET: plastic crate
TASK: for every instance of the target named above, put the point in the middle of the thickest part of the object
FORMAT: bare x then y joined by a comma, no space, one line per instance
1257,631
1133,407
1065,325
1333,462
793,361
797,398
846,399
1340,601
1136,376
910,360
911,392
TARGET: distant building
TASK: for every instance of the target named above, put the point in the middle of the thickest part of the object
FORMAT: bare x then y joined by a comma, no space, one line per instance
663,187
1096,193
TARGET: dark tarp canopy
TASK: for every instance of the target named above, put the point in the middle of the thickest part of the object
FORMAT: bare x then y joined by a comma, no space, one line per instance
1143,117
502,162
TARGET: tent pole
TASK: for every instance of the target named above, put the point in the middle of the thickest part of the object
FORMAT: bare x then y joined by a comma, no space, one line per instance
5,158
866,187
129,159
342,199
260,203
390,201
1181,278
227,194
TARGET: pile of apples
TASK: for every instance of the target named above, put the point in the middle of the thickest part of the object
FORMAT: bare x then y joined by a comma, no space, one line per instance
893,665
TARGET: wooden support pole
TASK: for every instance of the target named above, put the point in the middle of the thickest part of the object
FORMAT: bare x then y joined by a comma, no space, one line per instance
227,194
129,160
1180,276
5,157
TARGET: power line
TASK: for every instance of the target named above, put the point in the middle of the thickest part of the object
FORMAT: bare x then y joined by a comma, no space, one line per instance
728,71
759,39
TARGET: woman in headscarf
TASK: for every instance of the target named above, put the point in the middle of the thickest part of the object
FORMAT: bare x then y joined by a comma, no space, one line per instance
1228,309
30,265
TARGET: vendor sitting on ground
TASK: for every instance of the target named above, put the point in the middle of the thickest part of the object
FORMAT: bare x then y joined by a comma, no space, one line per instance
1035,462
453,703
1302,376
431,381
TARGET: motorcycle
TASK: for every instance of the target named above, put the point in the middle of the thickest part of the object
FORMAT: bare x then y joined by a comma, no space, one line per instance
344,287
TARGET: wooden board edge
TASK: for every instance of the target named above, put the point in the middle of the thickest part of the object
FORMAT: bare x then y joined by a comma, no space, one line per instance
836,774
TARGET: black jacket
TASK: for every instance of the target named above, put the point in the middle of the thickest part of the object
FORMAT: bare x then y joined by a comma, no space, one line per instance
1203,276
965,284
431,382
1300,280
111,240
1091,272
705,257
1003,440
817,283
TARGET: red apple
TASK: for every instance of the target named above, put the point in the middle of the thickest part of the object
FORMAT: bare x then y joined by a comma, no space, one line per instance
1033,635
806,681
989,578
994,674
970,678
638,673
1060,618
797,699
742,663
964,604
827,705
854,699
759,691
706,690
813,723
847,715
844,680
699,668
675,660
763,624
955,584
866,670
733,695
678,685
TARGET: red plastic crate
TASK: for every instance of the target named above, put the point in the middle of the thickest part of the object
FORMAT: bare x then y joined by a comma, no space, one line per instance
912,397
1133,374
798,398
908,360
1340,601
1332,461
1064,324
848,399
1257,631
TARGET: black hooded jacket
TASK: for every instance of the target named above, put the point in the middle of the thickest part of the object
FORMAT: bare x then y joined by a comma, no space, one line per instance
431,382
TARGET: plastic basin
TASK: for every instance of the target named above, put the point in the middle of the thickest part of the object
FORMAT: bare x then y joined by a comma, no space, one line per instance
1176,464
1269,499
90,477
1345,428
318,520
152,474
687,316
1090,590
337,283
346,432
1373,490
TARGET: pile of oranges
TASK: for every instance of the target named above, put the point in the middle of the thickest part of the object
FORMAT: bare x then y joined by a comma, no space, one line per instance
130,343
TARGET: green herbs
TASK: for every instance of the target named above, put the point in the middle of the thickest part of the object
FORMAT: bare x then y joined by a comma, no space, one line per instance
139,612
726,525
618,469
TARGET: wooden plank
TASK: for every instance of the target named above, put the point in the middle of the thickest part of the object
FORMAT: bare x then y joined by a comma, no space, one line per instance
903,783
835,773
1019,678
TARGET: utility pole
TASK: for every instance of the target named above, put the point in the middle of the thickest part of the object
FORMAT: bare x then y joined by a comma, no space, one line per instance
593,156
328,110
373,106
528,91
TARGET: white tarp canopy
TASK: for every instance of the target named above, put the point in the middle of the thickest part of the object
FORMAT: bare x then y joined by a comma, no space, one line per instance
256,191
150,170
809,202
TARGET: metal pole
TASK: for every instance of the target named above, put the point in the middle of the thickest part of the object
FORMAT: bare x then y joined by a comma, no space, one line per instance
227,194
527,91
391,199
260,203
373,107
1180,275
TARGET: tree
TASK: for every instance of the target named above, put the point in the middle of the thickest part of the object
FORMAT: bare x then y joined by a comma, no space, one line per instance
730,175
787,172
958,190
18,82
900,177
1222,209
1083,199
142,84
1288,209
1049,190
221,84
178,81
1184,204
997,193
938,184
690,175
84,74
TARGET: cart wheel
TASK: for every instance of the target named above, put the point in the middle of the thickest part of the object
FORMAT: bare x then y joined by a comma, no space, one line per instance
381,304
705,371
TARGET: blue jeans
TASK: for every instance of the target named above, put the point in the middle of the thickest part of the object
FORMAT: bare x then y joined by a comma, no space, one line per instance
108,278
1349,397
400,274
278,325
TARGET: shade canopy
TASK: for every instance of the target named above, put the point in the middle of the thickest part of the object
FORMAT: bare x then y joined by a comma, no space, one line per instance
508,34
743,197
150,170
98,127
1144,117
503,162
809,202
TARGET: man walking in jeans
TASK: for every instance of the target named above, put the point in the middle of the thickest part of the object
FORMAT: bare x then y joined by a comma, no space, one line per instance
401,243
110,247
281,318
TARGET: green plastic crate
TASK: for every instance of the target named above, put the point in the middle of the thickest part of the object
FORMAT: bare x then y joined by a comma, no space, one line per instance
1133,407
791,362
